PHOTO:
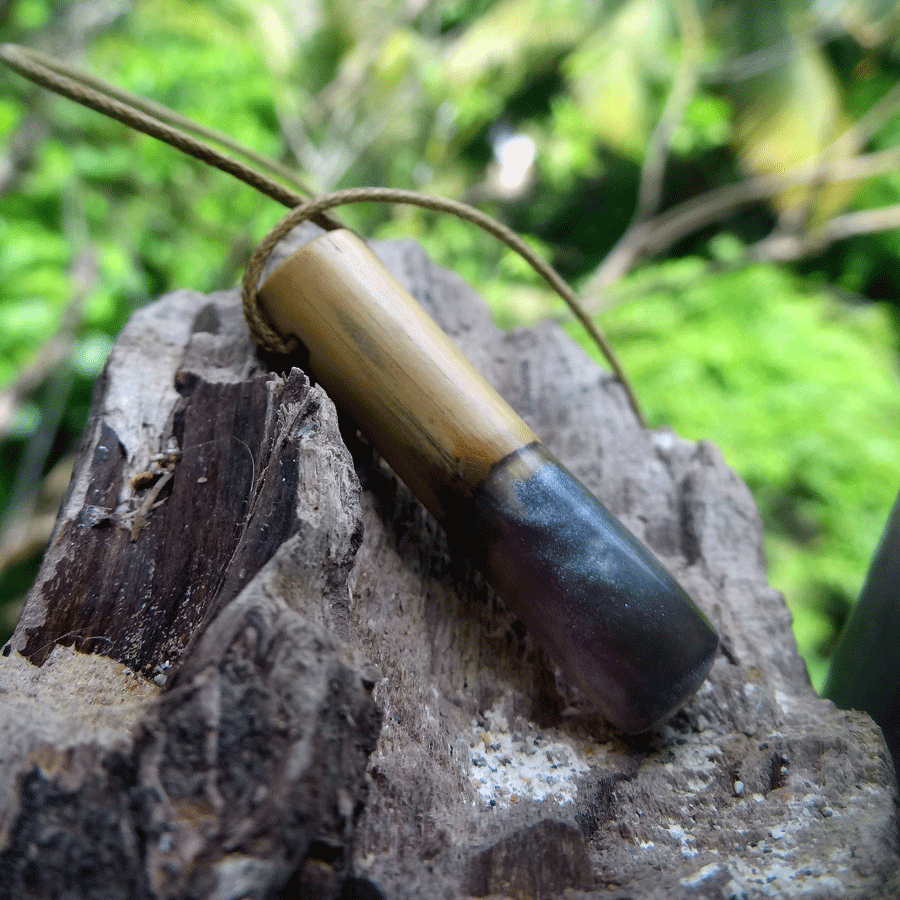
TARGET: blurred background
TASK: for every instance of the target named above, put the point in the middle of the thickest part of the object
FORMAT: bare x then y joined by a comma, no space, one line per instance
720,180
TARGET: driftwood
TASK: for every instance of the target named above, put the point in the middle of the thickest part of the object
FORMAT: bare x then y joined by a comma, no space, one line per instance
250,667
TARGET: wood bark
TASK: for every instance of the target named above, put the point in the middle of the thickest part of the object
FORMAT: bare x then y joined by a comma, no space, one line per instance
251,667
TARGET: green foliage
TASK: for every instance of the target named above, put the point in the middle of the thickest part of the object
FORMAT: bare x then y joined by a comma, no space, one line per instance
30,14
150,219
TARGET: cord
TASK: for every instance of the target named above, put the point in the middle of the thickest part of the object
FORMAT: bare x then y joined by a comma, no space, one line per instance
179,132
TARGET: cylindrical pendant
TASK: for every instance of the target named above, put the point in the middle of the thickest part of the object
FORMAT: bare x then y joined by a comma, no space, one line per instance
618,625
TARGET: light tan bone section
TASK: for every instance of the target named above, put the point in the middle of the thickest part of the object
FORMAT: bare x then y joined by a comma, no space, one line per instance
431,415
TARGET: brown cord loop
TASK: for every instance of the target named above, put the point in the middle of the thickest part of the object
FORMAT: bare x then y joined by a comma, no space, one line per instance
269,338
159,122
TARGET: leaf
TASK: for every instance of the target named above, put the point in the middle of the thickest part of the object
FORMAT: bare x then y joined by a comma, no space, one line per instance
787,116
865,670
613,76
509,44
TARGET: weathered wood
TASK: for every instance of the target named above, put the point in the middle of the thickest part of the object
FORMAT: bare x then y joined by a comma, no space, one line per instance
206,541
489,776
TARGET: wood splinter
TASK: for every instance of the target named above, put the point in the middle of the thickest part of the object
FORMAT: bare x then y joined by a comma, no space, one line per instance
615,621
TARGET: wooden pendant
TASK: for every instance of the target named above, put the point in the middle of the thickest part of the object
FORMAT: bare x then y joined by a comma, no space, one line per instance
618,625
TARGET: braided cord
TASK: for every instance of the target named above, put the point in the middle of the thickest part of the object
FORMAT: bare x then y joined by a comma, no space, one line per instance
159,122
179,132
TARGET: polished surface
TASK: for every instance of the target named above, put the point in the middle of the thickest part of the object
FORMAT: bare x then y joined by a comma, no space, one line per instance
618,625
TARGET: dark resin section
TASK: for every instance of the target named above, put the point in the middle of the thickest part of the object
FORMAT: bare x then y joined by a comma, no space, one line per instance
619,626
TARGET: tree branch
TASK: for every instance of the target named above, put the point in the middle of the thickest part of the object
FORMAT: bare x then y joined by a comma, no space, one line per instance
658,234
784,247
619,259
683,88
